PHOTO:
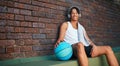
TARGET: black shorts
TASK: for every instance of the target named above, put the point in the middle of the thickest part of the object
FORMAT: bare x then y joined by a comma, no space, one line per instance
88,50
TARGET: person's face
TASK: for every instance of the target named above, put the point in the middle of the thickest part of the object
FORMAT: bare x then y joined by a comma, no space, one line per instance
74,15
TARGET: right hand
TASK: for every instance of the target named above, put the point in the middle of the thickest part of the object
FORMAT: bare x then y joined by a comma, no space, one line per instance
57,43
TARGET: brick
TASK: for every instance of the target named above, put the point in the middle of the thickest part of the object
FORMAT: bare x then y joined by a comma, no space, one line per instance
38,36
3,36
2,15
41,9
29,30
25,12
46,20
17,49
44,52
10,23
24,35
2,29
2,22
7,3
12,36
47,41
10,10
2,50
19,29
37,3
19,17
3,9
32,30
25,48
42,47
6,56
53,31
7,42
27,24
45,1
16,11
51,26
18,36
31,7
44,4
42,31
39,13
10,42
18,54
31,42
35,42
30,18
51,36
18,5
52,6
9,16
16,23
24,1
30,54
23,24
60,17
20,42
9,49
41,25
63,3
37,48
10,4
28,42
9,29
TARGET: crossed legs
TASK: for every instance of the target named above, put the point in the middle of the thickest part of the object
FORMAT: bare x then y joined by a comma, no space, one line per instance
97,51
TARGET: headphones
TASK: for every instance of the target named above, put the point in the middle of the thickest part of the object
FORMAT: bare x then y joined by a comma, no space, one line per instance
69,10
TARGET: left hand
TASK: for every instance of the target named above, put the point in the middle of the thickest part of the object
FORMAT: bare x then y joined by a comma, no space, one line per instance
94,47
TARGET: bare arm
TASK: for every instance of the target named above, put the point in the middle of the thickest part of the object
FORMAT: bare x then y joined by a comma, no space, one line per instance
89,40
63,29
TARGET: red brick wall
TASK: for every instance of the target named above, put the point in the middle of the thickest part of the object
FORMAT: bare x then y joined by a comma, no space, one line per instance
30,27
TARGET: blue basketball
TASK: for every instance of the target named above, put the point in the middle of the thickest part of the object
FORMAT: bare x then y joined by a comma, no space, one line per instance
63,51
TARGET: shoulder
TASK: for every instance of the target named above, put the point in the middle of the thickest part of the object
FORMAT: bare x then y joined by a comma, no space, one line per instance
81,25
64,25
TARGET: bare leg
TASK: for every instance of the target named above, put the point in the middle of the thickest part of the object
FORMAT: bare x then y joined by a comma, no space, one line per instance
107,51
81,55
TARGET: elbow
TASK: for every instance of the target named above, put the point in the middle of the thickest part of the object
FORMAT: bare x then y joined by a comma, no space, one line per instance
60,39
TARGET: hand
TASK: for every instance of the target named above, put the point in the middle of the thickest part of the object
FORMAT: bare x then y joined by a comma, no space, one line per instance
94,47
57,43
91,43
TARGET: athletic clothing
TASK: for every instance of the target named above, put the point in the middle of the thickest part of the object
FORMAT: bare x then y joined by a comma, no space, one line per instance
88,50
81,35
72,37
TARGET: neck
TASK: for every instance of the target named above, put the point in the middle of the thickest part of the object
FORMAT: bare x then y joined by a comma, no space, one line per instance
75,22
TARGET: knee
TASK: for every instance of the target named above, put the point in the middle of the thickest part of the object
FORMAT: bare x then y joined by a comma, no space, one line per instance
80,46
109,49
